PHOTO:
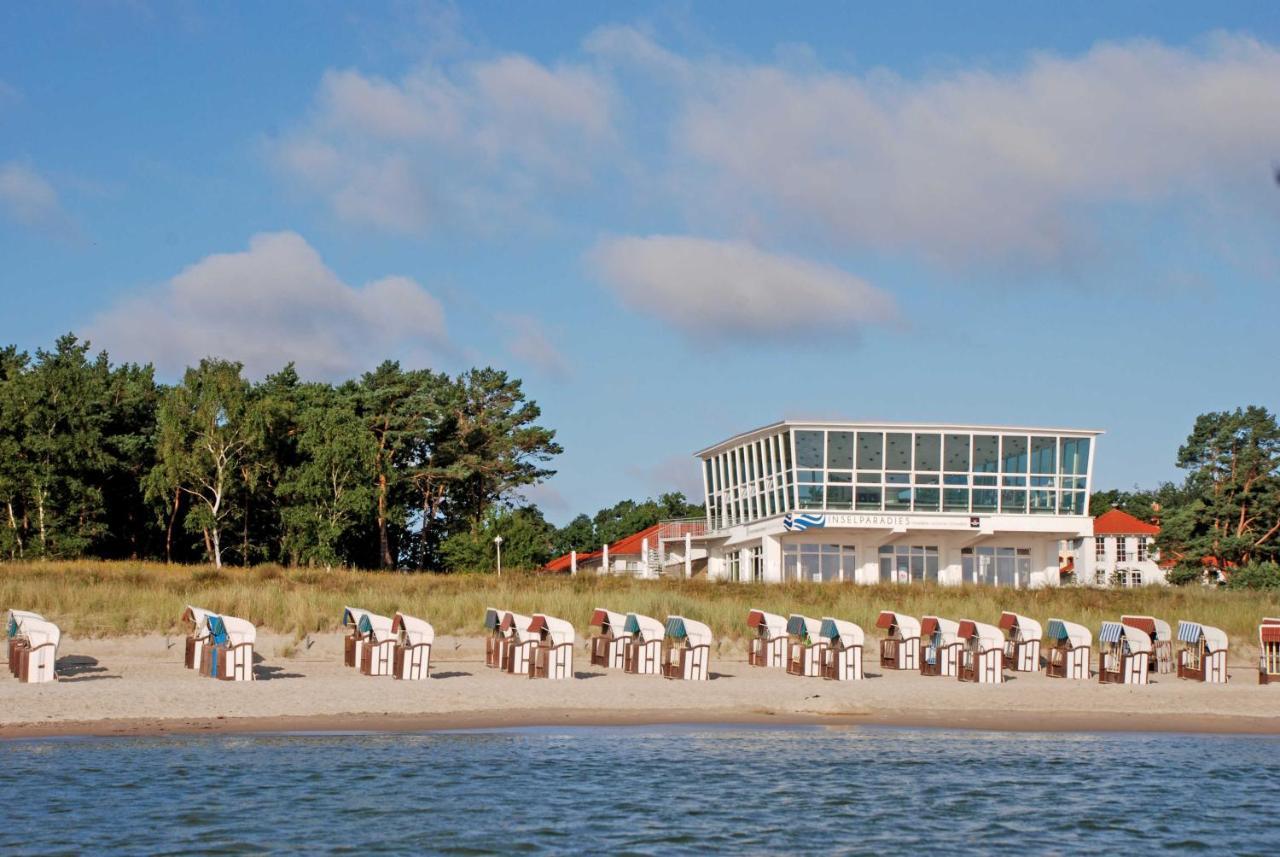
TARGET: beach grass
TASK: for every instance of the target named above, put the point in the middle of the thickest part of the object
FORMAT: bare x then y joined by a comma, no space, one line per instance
105,599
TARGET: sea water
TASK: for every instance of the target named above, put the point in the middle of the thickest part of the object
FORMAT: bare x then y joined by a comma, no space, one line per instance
642,790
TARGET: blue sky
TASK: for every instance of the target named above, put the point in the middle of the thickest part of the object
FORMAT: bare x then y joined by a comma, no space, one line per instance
674,221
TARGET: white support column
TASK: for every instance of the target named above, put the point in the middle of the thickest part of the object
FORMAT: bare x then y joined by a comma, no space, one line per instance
644,557
573,562
607,570
771,548
688,555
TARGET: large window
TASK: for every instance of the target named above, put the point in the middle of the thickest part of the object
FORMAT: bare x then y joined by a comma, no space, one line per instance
733,565
1122,553
1100,548
994,566
908,564
756,557
818,563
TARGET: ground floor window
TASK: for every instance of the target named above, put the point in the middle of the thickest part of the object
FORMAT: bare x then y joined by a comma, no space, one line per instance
733,565
908,563
819,562
996,566
1128,577
756,557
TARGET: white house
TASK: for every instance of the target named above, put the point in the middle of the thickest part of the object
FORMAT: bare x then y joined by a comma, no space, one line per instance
1121,552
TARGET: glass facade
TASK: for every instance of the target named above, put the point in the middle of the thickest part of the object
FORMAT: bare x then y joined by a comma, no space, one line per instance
996,566
839,469
818,563
909,564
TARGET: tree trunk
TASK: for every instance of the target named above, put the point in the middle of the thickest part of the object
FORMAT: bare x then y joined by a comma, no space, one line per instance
217,547
40,517
13,525
208,544
168,536
384,543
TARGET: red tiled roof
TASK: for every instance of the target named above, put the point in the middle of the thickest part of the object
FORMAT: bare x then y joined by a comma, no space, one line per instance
631,545
1118,523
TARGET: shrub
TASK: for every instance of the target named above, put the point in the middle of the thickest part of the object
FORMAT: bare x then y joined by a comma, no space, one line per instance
1181,575
1260,575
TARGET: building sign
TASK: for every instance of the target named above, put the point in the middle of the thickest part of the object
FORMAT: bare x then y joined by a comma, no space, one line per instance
800,523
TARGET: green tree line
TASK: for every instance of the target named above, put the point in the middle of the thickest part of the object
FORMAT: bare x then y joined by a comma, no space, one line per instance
395,469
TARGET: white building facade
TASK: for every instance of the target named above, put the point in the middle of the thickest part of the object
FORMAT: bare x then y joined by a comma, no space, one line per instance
892,502
1121,553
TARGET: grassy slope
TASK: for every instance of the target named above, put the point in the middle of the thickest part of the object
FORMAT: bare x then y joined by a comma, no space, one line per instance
104,599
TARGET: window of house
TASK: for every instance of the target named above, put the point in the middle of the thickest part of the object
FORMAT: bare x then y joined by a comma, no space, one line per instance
1121,553
756,555
1142,549
1100,549
733,564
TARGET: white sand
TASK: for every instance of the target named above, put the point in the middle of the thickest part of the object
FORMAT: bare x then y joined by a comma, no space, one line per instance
136,679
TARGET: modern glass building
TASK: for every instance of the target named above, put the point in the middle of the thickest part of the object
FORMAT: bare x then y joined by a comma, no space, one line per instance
896,502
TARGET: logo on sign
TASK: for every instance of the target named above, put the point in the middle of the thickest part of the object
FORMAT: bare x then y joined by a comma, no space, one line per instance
975,522
800,523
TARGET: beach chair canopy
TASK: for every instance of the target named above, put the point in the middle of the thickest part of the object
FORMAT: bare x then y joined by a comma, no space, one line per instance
351,618
517,625
906,627
1269,631
1194,632
803,626
556,631
767,625
14,624
230,630
378,628
1157,629
1077,635
948,630
39,631
1137,639
413,630
196,617
988,636
493,618
609,622
646,628
1020,627
695,633
841,633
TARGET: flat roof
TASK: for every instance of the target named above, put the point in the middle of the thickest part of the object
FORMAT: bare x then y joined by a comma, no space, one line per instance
763,431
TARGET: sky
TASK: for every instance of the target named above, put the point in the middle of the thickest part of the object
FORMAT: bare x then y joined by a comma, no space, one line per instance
673,221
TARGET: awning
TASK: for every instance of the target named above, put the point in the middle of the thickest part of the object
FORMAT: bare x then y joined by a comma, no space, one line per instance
1077,635
930,625
803,626
841,632
416,631
768,625
1027,629
906,626
646,627
493,618
680,628
558,631
351,617
1156,628
15,620
378,627
607,620
987,635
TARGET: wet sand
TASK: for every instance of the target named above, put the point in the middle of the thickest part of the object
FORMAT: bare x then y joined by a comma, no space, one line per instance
138,686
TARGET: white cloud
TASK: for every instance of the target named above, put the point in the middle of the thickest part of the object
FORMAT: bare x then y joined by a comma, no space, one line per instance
531,343
462,144
975,168
28,199
719,289
273,303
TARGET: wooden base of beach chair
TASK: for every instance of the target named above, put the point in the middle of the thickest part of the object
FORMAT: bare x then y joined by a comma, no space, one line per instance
15,645
411,663
553,662
227,663
842,664
1023,655
943,661
1122,669
35,665
1067,663
350,652
689,663
900,654
493,652
375,658
191,659
518,657
984,667
608,651
643,658
771,653
803,660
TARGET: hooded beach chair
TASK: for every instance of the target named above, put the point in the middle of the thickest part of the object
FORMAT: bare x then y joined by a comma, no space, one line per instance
196,620
1161,635
553,655
940,646
900,646
1203,656
34,659
804,656
1069,648
1022,642
644,649
982,658
353,644
686,649
609,646
495,641
228,654
767,647
518,652
1269,651
841,644
379,649
414,637
13,629
1124,654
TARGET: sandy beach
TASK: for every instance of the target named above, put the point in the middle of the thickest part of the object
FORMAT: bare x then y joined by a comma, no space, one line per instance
138,686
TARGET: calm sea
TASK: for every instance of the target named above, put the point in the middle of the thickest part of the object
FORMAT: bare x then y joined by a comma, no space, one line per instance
653,790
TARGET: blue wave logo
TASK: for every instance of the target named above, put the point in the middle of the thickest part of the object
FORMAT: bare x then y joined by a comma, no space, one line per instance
800,523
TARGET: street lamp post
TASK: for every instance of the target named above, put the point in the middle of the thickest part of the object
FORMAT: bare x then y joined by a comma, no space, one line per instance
497,540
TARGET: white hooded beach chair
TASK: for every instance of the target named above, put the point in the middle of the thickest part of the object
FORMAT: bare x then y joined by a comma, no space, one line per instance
34,659
767,647
553,655
1124,654
353,645
495,641
686,649
16,639
1269,651
1161,636
379,649
411,660
841,650
1022,642
1203,656
982,658
804,648
940,646
228,655
644,651
196,619
609,646
521,641
900,646
1069,648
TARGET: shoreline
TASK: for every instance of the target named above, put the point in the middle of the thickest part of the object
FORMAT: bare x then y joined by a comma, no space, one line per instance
463,721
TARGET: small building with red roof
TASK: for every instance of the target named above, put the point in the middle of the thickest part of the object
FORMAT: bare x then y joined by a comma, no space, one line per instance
666,548
1122,552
